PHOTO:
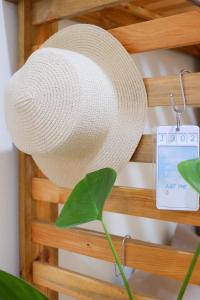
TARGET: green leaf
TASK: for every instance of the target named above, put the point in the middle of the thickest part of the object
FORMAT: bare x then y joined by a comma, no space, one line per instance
190,170
13,288
87,199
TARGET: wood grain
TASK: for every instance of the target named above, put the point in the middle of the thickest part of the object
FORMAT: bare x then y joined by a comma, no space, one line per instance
164,33
78,286
149,257
159,88
145,150
29,209
139,11
54,10
28,251
124,200
108,18
131,13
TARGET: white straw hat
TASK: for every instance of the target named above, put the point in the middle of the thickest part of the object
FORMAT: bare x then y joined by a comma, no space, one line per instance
77,105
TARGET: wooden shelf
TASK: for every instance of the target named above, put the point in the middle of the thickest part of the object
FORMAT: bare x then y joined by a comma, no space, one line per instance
140,25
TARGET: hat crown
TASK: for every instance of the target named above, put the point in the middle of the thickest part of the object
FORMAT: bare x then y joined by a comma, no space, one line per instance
56,100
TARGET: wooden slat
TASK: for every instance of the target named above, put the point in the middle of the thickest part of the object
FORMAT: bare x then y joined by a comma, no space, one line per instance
130,201
78,286
108,18
164,33
159,89
145,150
28,251
54,10
149,257
140,11
29,210
126,14
171,5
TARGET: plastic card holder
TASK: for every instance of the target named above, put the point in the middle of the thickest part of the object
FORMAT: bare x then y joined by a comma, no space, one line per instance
172,147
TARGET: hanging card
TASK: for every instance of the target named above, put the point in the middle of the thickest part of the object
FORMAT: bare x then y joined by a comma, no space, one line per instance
172,192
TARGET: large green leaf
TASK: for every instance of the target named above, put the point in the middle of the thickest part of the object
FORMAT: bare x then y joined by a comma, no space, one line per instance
13,288
190,170
87,199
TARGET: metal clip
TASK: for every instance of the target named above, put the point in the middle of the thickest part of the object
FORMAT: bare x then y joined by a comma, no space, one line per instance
127,237
177,109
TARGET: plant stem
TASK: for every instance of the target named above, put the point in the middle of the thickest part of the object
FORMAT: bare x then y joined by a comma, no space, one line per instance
117,261
189,273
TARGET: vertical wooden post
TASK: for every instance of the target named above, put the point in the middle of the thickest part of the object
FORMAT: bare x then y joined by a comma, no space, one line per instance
29,209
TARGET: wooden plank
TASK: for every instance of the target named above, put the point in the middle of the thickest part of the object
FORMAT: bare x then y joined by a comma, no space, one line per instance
164,33
149,257
124,200
54,10
78,286
131,13
159,89
169,7
29,210
139,11
126,14
145,150
108,18
28,251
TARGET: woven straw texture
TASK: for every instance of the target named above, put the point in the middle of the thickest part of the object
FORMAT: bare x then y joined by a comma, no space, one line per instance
77,105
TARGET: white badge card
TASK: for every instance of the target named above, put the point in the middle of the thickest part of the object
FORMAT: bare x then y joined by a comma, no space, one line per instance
172,191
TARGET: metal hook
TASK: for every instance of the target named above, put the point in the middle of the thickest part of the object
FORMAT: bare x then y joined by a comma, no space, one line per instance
127,237
177,109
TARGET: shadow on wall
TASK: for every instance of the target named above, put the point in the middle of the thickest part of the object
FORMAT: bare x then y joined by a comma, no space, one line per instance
8,154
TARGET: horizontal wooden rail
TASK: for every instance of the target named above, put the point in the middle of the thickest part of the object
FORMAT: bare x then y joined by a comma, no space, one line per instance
164,33
149,257
159,88
130,201
76,285
53,10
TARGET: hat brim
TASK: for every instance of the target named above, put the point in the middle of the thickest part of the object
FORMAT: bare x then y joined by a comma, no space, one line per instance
126,131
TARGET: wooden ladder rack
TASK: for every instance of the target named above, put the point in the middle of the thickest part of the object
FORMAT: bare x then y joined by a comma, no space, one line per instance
39,198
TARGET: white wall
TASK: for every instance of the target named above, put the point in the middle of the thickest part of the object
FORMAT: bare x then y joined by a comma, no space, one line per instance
8,156
154,63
